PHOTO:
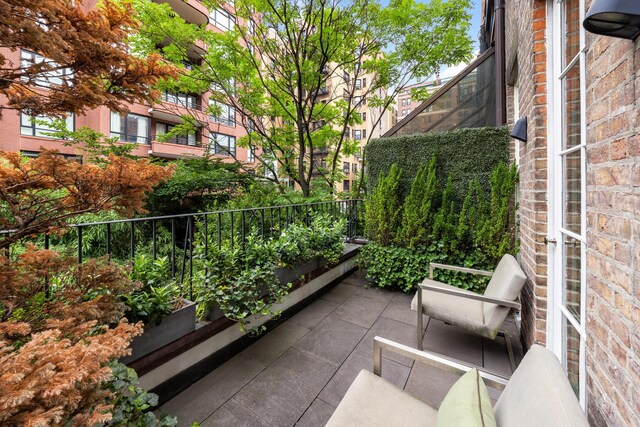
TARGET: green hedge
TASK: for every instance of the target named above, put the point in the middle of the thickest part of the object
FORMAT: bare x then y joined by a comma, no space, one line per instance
463,155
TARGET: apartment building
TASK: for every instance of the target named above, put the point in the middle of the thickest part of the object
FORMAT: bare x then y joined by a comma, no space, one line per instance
406,103
375,121
143,123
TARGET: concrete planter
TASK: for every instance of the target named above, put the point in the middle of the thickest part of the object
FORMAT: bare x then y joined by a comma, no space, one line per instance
172,327
285,275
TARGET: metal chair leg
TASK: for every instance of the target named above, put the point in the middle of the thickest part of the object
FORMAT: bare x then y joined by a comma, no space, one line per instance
507,339
420,329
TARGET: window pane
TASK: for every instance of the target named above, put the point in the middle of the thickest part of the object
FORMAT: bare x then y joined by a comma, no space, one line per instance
572,268
116,123
571,29
572,194
571,355
571,107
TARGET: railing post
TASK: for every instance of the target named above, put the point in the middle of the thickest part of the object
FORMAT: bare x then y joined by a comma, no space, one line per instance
108,242
80,245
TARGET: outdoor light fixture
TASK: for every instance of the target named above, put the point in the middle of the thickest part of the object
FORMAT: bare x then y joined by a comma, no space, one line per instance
519,131
615,18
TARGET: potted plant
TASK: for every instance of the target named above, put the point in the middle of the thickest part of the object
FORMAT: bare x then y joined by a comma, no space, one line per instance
158,304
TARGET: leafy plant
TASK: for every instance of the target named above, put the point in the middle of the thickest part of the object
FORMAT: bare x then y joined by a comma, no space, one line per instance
242,281
133,406
157,297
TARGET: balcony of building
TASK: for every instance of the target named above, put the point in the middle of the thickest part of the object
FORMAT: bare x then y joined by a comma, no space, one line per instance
192,11
298,372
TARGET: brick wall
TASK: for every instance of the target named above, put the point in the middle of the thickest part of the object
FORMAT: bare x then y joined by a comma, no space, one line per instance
525,34
613,231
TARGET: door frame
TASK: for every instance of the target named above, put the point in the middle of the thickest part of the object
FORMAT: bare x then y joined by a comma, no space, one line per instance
556,313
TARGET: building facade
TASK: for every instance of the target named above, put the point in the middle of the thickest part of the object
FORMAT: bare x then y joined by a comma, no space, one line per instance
579,197
404,101
375,121
144,123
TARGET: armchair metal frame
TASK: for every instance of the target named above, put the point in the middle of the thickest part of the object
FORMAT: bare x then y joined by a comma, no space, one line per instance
432,359
462,294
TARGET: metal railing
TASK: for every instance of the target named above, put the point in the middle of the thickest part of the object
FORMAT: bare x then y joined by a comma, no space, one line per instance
176,236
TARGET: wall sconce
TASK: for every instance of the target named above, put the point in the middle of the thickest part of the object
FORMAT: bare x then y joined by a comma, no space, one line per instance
615,18
519,131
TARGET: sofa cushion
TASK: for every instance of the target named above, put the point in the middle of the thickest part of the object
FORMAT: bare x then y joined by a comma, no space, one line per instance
372,401
463,312
467,404
539,394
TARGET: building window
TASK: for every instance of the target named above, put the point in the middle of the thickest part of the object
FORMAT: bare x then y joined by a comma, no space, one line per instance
188,139
363,117
225,114
55,77
222,19
178,98
42,125
223,145
130,128
251,155
251,27
359,134
345,167
346,185
354,168
404,112
359,100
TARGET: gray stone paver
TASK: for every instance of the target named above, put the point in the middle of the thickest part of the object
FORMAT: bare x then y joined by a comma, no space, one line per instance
297,373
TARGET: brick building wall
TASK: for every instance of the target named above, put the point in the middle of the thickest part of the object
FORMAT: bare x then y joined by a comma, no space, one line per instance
527,53
612,202
613,230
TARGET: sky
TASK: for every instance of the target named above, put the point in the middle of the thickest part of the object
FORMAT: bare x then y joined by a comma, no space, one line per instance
476,19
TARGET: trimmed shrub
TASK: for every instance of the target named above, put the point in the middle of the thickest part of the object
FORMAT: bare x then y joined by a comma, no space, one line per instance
464,155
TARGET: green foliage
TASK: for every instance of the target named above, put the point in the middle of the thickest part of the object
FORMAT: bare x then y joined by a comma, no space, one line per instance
435,227
463,155
197,184
133,406
419,207
403,269
157,297
389,43
243,281
497,234
383,208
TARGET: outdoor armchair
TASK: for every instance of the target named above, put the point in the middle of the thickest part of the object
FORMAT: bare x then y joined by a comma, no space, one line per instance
481,314
537,394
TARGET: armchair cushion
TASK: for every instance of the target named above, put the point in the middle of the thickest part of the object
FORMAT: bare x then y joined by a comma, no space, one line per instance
466,313
372,401
539,394
506,283
467,404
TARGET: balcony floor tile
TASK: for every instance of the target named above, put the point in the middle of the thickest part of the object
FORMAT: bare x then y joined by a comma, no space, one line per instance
314,313
332,340
317,415
284,391
360,311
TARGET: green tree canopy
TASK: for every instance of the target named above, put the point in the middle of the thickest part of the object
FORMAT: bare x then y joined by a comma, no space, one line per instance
290,68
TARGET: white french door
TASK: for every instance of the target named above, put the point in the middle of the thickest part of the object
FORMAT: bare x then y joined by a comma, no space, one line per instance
567,191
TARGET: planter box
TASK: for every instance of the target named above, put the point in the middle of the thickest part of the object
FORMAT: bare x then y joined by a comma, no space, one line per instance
174,326
285,275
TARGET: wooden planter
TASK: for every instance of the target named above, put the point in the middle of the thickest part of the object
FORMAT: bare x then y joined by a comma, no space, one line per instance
174,326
